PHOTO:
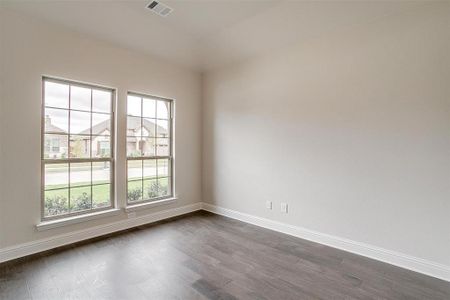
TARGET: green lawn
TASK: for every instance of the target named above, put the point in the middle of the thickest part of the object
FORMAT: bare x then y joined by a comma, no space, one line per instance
59,186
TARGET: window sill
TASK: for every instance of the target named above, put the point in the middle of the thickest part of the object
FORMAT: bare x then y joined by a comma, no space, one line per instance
147,205
45,225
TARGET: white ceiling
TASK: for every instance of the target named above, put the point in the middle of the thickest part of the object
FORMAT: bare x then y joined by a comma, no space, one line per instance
204,34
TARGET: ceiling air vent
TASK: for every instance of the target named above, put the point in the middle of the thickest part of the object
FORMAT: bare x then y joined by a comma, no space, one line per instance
159,8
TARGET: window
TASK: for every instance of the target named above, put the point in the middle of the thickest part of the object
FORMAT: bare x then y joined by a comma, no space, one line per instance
52,146
77,158
55,145
149,148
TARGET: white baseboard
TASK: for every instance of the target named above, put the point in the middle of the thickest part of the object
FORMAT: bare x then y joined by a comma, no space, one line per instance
69,238
391,257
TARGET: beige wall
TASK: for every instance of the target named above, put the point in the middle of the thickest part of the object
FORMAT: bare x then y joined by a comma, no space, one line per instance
33,49
352,130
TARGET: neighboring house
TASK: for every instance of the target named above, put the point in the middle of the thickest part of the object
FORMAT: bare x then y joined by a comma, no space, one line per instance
141,138
145,137
56,146
101,140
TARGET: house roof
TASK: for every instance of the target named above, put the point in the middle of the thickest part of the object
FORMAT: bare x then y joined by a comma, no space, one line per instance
50,128
99,128
133,125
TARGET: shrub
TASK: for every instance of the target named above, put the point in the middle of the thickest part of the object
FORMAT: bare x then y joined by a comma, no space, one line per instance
135,153
134,195
55,205
156,189
152,190
163,189
82,202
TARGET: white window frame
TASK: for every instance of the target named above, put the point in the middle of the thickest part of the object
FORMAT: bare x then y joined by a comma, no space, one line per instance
170,196
68,160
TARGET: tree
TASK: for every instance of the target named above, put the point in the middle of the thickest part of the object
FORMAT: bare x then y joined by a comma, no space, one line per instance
77,148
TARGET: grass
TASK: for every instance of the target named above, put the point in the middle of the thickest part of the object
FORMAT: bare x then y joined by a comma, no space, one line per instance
78,184
137,184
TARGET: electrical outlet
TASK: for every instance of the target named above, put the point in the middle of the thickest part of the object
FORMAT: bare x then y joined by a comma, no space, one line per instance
269,204
132,215
284,208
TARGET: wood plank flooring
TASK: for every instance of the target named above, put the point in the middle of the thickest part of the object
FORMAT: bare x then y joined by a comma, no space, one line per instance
205,256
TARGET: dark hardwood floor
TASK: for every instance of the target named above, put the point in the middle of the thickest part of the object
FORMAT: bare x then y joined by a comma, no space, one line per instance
205,256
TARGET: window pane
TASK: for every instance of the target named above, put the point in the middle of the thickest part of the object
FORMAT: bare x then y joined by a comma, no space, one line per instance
134,106
133,126
134,192
101,101
101,146
80,146
147,146
80,198
150,189
149,108
101,172
163,187
80,122
135,169
162,128
80,98
162,109
56,94
80,174
134,180
132,147
162,146
55,146
101,124
56,202
56,120
163,167
56,176
149,129
101,195
149,168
